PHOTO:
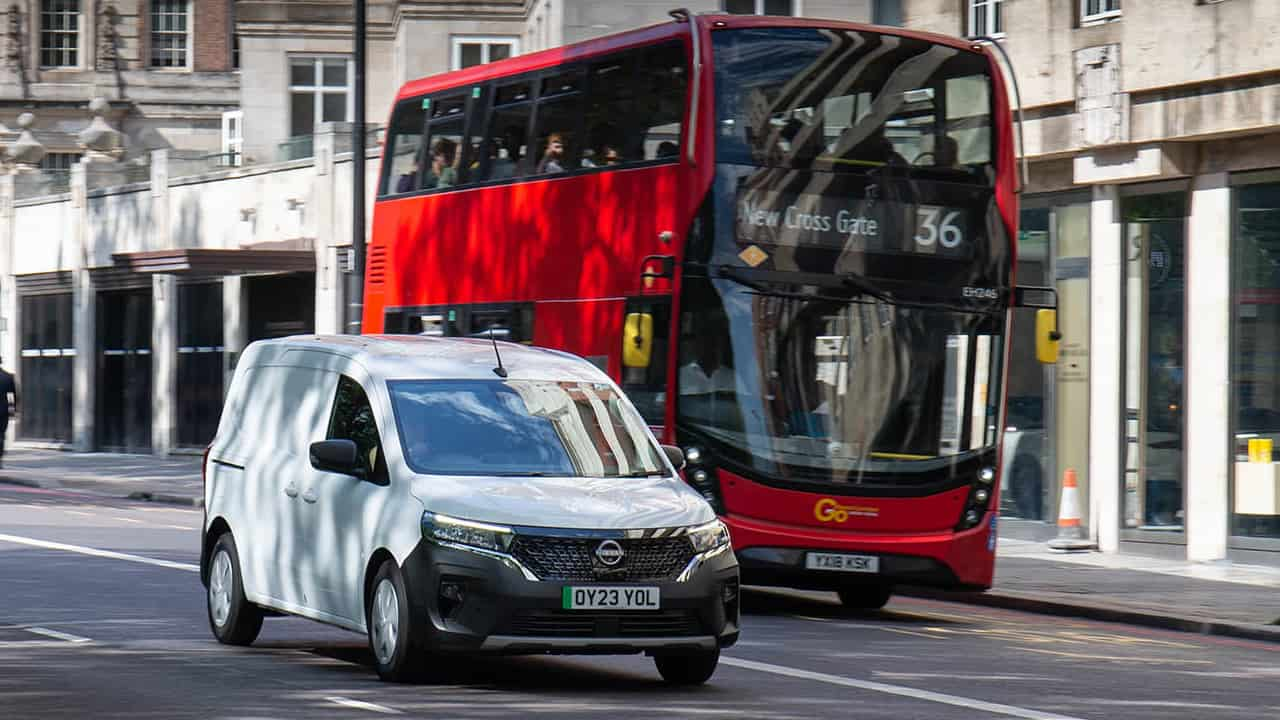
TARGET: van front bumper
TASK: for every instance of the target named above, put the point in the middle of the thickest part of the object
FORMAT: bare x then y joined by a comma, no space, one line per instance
476,601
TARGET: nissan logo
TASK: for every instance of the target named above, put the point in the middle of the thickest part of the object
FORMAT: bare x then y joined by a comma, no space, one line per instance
609,552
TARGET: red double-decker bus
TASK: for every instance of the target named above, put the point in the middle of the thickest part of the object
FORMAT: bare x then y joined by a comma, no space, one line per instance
791,241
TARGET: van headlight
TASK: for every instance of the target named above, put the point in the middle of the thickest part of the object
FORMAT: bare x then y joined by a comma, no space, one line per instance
709,537
466,532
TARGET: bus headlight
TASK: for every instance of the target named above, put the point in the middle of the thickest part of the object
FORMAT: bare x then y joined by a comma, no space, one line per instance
693,454
466,532
709,537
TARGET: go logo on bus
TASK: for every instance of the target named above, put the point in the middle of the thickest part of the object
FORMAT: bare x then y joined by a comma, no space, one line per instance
828,510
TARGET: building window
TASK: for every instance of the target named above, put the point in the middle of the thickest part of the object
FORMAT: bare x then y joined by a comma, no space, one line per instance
60,33
887,12
60,161
170,33
469,51
986,18
1091,10
233,138
759,7
319,91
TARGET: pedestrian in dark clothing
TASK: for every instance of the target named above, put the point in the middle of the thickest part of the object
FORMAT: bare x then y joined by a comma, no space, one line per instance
7,388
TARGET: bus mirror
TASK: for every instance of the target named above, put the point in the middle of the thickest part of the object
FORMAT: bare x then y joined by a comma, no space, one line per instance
1047,336
637,340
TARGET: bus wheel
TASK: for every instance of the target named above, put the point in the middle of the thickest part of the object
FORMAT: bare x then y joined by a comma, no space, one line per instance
865,597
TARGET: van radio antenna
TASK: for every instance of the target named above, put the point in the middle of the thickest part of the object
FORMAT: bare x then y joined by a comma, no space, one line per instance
499,371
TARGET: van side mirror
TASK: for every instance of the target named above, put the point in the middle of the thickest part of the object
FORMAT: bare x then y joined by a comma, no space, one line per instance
338,456
637,340
675,455
1047,336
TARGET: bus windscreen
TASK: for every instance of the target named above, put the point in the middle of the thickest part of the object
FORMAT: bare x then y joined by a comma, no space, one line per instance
846,100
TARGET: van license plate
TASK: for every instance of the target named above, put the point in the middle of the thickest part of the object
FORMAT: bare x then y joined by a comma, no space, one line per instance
610,598
842,563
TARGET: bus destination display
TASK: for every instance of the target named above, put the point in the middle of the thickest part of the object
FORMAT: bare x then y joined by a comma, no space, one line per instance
852,224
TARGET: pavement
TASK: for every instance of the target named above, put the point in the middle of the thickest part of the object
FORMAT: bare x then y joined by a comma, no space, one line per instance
1224,598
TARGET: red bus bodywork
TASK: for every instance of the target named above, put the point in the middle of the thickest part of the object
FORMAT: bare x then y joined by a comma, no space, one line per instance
574,246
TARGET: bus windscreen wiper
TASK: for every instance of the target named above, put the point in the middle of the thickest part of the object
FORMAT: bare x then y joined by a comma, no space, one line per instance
852,285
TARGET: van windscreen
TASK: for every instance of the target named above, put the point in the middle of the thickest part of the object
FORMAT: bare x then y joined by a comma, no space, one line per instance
521,428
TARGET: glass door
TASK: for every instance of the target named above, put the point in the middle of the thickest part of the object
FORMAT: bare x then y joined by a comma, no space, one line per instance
1154,297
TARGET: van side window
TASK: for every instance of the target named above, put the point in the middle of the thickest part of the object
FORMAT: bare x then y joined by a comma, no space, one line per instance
353,420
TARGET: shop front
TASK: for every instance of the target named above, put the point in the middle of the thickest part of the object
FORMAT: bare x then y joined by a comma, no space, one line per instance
1255,367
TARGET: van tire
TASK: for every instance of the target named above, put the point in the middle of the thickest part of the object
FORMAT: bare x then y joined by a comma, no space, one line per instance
865,597
687,668
241,620
395,635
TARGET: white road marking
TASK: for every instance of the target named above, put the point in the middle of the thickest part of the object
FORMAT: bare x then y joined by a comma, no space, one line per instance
65,637
128,520
927,695
362,705
109,554
80,513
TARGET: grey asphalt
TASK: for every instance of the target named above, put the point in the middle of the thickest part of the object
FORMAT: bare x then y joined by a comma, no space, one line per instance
84,635
1238,604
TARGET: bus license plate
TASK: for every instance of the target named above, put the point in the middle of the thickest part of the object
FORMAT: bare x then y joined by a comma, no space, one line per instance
610,598
842,563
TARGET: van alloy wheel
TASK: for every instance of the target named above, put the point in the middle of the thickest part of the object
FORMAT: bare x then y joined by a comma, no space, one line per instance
220,588
232,618
386,621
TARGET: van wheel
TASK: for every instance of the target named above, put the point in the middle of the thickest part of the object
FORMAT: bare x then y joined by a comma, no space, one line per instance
395,636
865,597
687,668
233,619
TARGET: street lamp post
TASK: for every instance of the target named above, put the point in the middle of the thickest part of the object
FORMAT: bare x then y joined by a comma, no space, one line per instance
356,303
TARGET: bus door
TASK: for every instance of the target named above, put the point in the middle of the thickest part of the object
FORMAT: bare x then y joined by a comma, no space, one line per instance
646,332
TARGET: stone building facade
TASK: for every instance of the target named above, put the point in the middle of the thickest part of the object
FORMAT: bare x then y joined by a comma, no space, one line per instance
1153,204
165,66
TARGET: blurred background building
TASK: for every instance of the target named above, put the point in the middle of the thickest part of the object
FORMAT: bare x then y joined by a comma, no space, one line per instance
1152,204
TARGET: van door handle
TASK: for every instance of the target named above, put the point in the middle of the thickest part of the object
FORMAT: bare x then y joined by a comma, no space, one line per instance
291,490
310,496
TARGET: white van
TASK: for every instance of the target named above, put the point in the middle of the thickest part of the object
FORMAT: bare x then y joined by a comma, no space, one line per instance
457,495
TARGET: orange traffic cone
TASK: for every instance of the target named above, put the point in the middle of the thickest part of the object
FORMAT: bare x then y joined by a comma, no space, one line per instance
1071,534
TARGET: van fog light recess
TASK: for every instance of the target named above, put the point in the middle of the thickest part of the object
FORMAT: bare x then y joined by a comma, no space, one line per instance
452,595
730,591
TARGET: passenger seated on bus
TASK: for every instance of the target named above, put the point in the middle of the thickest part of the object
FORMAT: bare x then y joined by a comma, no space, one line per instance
505,153
444,157
666,149
408,180
607,155
947,154
705,373
553,156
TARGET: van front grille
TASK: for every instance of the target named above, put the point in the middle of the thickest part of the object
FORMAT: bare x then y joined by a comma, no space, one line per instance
561,558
